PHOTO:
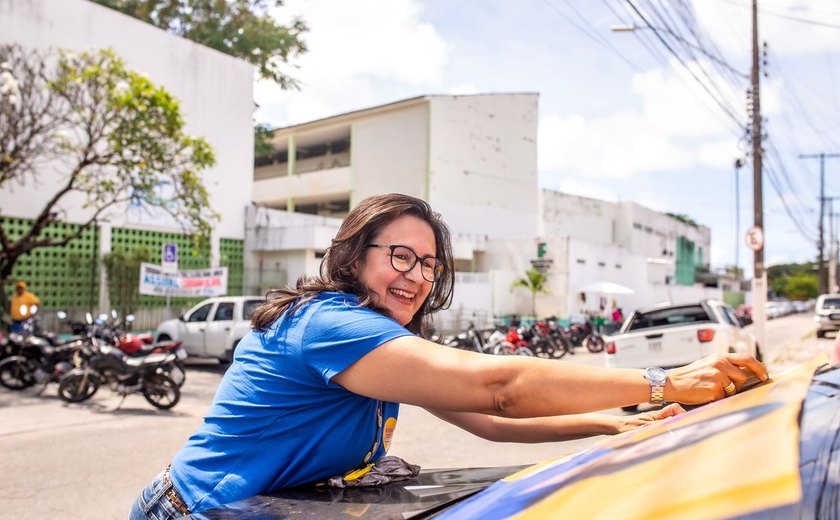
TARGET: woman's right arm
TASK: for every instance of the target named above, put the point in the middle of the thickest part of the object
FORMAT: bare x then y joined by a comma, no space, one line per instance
414,371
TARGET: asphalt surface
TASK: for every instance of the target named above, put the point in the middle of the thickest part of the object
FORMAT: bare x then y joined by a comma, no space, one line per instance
89,460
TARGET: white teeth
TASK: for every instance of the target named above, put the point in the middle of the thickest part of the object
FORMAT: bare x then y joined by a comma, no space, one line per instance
402,294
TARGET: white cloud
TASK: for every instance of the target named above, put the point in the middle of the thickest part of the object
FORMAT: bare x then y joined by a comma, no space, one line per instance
354,49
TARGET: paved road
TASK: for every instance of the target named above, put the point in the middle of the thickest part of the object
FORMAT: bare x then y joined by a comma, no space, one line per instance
89,460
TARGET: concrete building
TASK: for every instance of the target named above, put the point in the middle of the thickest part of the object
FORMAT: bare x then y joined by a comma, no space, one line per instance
215,92
584,240
473,158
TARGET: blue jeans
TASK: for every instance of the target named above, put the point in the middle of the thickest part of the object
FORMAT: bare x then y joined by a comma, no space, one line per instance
152,503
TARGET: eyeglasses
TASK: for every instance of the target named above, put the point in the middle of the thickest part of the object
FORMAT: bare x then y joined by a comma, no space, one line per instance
403,259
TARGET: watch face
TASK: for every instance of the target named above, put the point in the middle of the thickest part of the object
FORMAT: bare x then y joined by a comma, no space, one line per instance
655,375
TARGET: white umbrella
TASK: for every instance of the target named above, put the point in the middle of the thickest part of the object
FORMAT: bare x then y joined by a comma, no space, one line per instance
605,288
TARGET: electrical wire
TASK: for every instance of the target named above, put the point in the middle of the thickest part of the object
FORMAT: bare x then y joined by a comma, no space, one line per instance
721,104
599,39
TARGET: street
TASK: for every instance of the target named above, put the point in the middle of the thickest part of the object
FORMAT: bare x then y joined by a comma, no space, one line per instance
90,460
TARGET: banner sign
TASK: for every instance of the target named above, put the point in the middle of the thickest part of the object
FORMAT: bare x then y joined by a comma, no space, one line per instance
155,281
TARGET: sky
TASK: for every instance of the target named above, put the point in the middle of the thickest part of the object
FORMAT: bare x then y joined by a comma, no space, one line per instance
621,117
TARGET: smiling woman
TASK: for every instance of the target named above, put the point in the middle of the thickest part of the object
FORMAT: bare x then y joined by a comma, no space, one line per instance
315,386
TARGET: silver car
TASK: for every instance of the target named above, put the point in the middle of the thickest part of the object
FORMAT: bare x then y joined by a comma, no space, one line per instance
827,312
212,328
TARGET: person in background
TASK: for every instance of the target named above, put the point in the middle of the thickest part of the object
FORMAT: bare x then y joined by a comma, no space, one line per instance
617,315
21,307
315,386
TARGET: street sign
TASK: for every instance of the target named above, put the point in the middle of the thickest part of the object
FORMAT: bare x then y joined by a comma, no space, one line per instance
169,258
755,238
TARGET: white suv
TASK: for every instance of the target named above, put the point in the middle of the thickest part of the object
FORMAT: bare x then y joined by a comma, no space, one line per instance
212,328
827,312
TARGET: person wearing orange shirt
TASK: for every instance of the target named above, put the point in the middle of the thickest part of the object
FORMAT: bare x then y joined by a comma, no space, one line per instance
21,308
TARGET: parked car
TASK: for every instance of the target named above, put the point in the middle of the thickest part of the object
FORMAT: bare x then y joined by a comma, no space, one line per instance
766,453
670,335
212,328
827,314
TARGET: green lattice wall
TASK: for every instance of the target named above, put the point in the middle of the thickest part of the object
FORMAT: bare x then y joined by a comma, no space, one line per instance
231,251
62,277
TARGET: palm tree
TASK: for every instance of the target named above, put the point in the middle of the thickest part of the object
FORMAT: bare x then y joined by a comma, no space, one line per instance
535,282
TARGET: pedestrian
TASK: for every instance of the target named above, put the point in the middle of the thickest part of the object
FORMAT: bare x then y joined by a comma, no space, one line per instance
314,387
617,315
21,308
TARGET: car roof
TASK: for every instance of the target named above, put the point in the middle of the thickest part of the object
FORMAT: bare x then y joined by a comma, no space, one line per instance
667,305
623,463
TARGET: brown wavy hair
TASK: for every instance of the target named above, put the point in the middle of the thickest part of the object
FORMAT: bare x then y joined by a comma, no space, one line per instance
359,229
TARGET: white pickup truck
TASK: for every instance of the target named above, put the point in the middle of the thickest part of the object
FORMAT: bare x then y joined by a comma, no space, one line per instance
674,335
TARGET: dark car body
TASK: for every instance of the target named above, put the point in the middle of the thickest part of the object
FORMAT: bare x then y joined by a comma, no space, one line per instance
660,472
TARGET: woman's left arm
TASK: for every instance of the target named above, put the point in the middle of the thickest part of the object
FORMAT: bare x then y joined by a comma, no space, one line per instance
552,429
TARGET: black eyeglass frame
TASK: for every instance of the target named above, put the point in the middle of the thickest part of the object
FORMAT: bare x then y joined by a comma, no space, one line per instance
417,258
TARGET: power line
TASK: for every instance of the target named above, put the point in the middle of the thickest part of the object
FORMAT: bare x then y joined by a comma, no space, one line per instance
676,55
787,16
599,40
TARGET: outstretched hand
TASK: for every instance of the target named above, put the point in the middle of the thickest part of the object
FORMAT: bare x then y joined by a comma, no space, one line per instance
631,422
709,379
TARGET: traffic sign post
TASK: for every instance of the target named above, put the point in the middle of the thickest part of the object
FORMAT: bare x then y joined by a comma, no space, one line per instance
755,238
169,258
169,264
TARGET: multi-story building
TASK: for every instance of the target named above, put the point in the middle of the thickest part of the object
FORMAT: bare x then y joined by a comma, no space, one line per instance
473,158
216,100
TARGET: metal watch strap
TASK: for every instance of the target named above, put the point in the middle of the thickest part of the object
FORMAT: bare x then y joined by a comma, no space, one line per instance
656,378
657,393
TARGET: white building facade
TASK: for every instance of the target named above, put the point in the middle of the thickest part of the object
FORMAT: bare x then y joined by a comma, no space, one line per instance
474,159
215,92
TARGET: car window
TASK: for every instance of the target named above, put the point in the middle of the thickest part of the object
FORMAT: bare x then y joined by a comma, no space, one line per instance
201,313
670,316
248,307
730,316
224,312
831,303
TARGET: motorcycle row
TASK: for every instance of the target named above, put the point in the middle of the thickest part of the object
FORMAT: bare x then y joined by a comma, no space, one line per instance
99,353
546,339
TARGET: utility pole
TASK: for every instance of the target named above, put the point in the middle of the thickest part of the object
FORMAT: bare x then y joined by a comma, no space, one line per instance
832,247
821,259
759,281
832,253
739,163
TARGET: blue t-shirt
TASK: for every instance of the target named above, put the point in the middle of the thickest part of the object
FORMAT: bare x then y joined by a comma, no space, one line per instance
278,420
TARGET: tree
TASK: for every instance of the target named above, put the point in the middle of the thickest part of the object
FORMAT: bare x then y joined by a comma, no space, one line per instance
123,271
241,28
794,281
535,282
112,134
801,286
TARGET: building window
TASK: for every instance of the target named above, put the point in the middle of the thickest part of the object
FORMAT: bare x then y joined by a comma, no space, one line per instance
581,261
618,266
602,264
636,225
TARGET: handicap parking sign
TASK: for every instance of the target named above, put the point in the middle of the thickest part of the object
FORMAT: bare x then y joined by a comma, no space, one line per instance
170,257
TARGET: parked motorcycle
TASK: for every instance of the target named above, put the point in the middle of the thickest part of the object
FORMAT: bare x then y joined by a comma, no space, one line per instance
107,365
111,332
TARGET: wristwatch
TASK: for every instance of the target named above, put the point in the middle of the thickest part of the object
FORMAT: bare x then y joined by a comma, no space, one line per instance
656,378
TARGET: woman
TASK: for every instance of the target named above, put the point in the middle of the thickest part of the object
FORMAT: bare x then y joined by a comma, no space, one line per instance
313,388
